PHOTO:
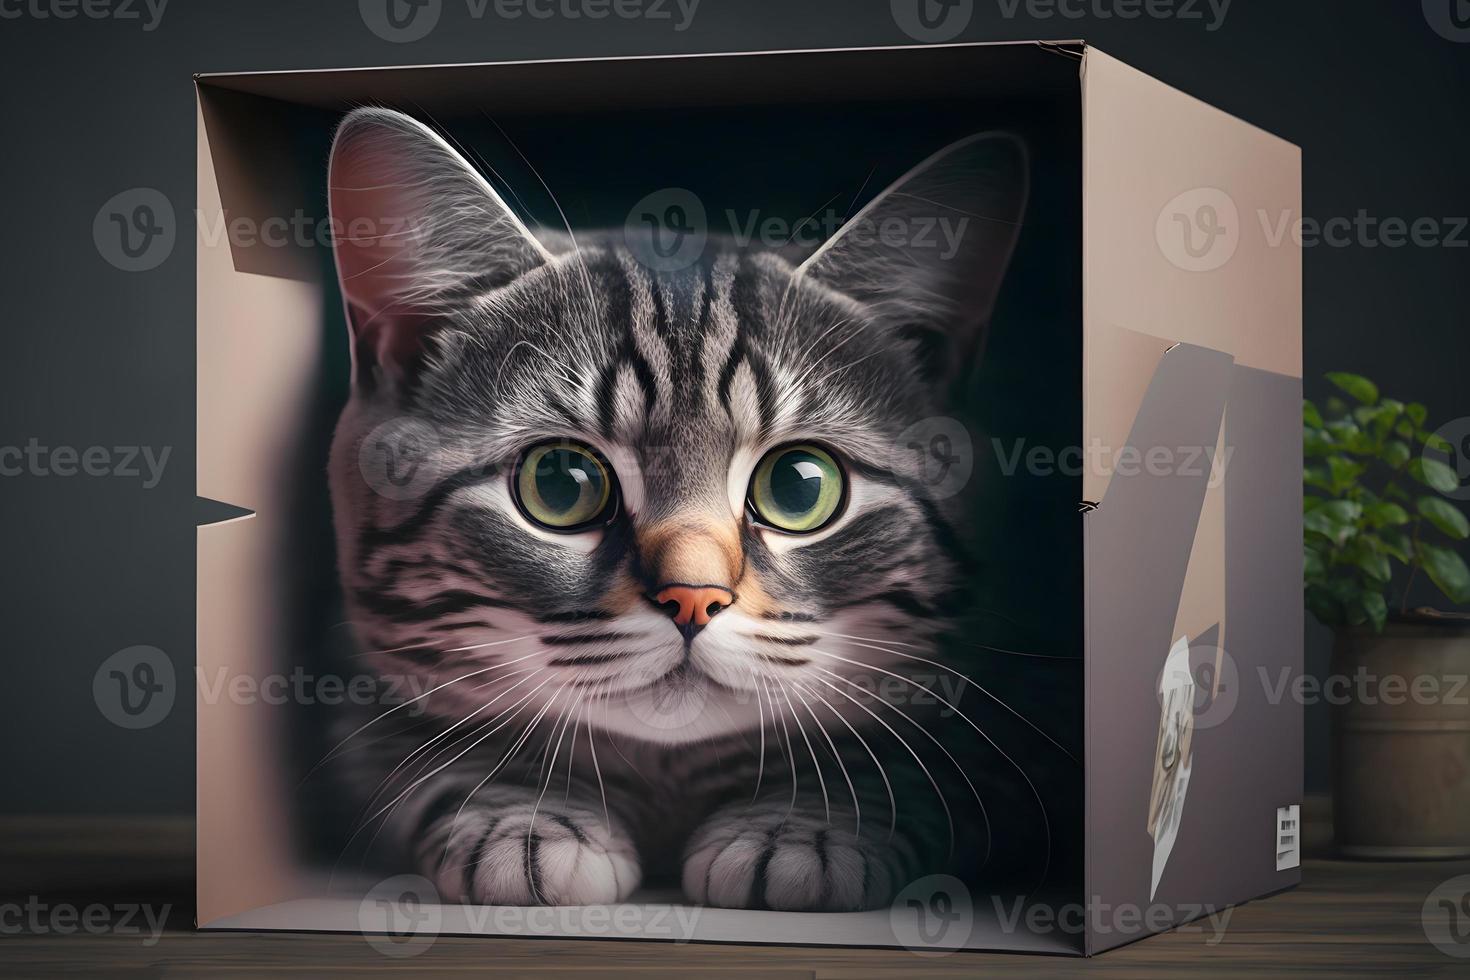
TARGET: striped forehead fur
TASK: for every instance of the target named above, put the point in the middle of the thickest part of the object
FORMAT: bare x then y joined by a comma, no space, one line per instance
593,340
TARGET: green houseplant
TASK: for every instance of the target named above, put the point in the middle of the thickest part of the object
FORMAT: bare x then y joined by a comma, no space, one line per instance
1377,499
1372,499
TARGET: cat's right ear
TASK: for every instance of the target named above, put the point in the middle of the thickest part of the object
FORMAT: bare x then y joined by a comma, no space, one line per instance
928,255
413,223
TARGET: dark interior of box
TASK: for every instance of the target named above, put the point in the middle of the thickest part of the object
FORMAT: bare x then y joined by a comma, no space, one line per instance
781,136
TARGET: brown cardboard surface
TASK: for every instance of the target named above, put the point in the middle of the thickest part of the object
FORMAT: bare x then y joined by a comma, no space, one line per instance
256,338
1145,145
1158,164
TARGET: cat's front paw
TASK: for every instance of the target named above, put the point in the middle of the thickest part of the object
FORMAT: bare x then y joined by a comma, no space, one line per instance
769,856
500,855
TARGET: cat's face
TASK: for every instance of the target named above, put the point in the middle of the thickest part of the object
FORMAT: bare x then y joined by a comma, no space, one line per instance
671,504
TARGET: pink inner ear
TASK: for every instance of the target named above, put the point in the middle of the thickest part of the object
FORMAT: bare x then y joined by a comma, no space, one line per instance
375,242
378,210
411,217
387,344
376,263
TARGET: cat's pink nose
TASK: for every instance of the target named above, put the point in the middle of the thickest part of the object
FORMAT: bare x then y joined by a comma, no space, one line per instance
693,605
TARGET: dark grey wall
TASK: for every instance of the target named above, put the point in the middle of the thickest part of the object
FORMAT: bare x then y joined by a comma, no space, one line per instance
95,356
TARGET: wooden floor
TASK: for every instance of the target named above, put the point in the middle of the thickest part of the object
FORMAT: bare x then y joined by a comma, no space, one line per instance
1348,918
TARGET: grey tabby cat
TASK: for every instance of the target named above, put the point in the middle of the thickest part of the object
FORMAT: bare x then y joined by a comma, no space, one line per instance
660,540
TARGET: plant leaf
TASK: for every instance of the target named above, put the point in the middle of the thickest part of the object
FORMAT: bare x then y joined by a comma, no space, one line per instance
1432,473
1342,511
1316,442
1321,604
1334,520
1376,607
1396,454
1356,385
1417,413
1375,566
1344,472
1312,417
1319,523
1448,571
1435,441
1314,567
1396,543
1385,514
1445,516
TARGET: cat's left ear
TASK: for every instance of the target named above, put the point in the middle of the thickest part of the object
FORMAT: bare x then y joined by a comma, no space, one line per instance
413,223
928,255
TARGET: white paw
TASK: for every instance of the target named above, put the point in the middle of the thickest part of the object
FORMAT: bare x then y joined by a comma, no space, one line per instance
761,856
499,856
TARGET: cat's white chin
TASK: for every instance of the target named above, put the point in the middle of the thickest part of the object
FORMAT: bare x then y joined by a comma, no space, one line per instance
681,707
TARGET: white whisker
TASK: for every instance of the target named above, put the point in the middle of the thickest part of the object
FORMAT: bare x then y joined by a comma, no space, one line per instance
550,768
966,718
968,680
474,673
882,773
968,643
826,804
789,751
948,817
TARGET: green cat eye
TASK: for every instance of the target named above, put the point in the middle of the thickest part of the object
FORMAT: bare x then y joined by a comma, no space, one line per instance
797,489
563,486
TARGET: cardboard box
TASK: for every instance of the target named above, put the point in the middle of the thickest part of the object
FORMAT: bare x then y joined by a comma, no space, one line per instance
1132,437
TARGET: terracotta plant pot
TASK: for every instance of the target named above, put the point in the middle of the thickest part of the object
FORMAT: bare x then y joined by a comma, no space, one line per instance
1401,741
